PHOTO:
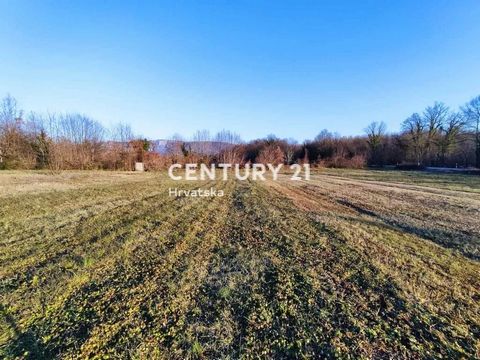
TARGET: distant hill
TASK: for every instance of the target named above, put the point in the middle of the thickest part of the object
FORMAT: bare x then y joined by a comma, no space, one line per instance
162,146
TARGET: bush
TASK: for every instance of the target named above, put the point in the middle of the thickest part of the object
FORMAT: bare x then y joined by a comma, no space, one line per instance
271,154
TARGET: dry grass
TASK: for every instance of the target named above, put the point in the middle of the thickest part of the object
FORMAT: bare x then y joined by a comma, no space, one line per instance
349,264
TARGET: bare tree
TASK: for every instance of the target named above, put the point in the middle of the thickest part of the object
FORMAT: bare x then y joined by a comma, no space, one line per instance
324,135
226,137
225,144
15,145
82,139
414,128
9,112
375,133
122,133
449,132
75,141
41,143
119,152
471,111
202,142
433,117
271,154
80,129
290,149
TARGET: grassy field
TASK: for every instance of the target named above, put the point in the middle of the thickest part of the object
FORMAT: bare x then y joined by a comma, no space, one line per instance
350,264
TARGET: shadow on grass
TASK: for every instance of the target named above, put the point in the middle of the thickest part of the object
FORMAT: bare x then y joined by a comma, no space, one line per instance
24,344
456,240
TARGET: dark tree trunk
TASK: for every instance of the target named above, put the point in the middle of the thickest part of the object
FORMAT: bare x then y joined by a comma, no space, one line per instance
477,154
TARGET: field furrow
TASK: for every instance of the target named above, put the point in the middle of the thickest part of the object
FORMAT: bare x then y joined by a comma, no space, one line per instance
336,267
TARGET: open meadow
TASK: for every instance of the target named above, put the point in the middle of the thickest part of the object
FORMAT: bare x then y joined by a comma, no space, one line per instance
351,264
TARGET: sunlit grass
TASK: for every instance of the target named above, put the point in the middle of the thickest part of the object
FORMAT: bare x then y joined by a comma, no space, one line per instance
349,264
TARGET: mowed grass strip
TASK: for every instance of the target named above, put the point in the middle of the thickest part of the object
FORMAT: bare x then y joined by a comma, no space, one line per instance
435,181
283,284
450,220
272,270
77,245
440,287
91,245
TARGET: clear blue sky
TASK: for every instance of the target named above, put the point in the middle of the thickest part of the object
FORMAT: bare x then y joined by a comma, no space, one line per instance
255,67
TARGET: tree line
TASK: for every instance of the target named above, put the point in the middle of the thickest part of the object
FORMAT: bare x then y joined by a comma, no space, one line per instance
437,136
